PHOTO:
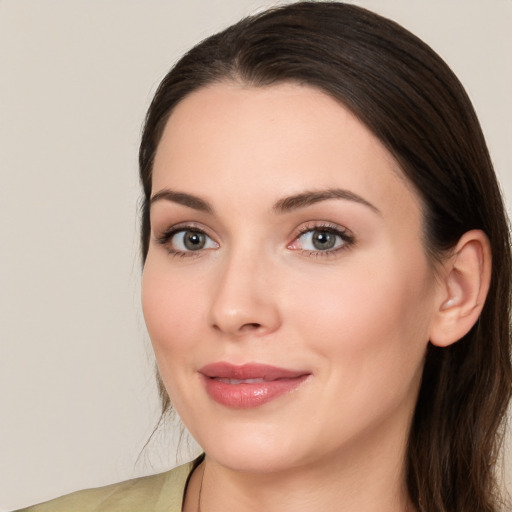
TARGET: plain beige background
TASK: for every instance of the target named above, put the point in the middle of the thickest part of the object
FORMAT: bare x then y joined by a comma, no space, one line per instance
77,398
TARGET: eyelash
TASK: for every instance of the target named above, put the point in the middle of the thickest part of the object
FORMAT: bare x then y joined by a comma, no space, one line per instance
167,236
343,233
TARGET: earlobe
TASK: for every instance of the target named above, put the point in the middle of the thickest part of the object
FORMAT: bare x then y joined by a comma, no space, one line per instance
463,289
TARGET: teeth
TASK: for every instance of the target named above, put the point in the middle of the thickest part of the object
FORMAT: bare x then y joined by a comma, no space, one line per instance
240,381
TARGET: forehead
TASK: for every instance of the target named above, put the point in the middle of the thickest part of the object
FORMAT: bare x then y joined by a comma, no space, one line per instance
281,138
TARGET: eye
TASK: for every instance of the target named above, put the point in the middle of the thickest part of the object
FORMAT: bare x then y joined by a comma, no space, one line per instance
319,239
181,241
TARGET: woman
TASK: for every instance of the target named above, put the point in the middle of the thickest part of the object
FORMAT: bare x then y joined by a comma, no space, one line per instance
326,274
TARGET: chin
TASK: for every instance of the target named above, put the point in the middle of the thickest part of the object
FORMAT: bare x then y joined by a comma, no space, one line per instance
261,449
251,460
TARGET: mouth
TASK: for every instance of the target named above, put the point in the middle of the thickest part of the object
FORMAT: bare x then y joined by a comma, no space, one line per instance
249,385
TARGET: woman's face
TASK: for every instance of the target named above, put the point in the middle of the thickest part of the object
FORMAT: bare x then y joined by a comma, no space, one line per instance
286,289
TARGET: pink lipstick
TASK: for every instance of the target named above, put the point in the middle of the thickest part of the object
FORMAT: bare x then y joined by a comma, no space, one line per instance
248,385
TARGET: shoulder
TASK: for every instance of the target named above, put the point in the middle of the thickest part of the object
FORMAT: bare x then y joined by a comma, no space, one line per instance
155,493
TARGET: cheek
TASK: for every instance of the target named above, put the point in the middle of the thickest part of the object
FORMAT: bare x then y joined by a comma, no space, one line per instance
371,335
368,315
172,309
172,312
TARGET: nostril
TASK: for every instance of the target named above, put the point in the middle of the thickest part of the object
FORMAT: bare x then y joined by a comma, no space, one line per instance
253,326
250,326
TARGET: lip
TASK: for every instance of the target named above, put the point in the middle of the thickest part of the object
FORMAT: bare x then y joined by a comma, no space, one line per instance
249,385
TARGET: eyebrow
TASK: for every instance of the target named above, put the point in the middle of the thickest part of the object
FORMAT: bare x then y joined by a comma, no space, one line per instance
184,199
309,198
283,205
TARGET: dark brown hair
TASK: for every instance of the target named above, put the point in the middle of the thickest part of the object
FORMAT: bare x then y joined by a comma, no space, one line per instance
409,98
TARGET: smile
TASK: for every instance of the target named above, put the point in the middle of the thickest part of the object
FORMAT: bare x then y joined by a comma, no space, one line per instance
249,385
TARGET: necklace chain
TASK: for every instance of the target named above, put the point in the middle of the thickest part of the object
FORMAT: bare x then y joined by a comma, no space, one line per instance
201,489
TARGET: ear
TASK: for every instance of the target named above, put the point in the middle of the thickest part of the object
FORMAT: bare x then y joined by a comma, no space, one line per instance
464,285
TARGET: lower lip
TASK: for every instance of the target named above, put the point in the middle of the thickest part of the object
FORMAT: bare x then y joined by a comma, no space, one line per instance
249,395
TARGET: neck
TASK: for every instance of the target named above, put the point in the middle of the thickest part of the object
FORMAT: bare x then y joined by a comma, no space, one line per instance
364,478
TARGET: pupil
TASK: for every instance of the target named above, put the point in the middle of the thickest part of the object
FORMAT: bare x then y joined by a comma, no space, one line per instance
194,241
323,240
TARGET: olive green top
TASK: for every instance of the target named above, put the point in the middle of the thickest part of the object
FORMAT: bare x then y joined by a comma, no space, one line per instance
157,493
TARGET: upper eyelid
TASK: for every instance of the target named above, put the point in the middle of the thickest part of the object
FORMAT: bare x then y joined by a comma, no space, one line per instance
319,225
302,228
183,226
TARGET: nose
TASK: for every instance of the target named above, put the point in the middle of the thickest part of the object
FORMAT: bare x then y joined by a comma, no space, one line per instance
243,301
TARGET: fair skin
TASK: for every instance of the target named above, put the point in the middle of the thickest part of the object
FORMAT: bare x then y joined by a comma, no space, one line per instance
334,285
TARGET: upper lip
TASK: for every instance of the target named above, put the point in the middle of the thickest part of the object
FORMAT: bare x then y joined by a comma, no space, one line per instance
224,370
